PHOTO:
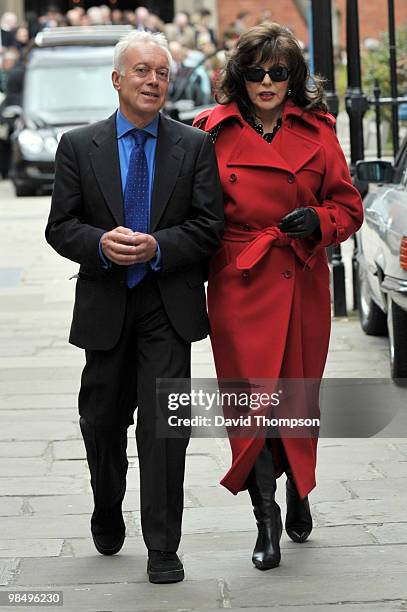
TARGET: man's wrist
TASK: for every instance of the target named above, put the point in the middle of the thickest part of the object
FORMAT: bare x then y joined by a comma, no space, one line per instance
104,261
155,262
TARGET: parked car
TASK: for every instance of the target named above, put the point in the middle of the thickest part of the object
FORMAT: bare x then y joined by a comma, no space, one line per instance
381,256
66,84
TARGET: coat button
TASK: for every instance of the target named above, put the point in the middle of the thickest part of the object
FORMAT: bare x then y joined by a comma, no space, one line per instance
287,274
233,178
291,178
245,274
246,227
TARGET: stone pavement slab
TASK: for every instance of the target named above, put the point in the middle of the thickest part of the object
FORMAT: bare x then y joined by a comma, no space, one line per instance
361,511
20,401
57,505
16,448
8,568
11,506
40,430
139,597
42,485
317,593
33,547
20,467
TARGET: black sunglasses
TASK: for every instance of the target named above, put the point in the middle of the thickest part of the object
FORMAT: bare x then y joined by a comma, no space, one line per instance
276,73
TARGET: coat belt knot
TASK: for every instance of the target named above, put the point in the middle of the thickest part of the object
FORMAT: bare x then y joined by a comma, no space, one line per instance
259,243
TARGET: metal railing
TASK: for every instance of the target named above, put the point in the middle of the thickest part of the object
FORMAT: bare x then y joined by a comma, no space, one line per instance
377,102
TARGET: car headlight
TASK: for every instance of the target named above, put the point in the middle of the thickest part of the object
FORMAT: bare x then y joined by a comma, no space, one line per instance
50,145
31,141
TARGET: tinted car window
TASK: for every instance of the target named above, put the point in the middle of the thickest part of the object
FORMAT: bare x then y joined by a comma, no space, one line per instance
63,84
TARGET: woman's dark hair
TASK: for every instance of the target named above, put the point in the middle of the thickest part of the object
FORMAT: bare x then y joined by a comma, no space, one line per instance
259,45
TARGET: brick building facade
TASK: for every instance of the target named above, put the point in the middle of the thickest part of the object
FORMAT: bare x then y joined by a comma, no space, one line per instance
372,15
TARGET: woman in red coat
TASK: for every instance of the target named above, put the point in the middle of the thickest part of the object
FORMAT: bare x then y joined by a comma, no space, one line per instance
288,195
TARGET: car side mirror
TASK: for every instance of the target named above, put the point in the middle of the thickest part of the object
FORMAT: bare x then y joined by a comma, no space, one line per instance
377,171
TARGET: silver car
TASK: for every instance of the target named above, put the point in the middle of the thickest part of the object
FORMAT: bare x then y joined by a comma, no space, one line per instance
381,256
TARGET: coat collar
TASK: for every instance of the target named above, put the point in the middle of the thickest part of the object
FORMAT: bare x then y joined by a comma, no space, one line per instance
248,150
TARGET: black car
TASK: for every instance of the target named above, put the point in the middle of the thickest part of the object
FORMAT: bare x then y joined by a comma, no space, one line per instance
66,84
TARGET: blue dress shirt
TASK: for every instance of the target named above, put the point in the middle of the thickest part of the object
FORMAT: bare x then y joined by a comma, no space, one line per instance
125,144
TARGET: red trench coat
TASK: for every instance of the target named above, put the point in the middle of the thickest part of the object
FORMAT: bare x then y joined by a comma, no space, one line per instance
269,306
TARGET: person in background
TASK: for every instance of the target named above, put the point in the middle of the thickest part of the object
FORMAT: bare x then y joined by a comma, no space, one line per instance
204,32
181,30
130,18
142,225
142,14
22,38
215,65
8,61
8,26
11,78
266,15
229,38
154,23
242,23
190,79
74,17
95,15
52,18
106,14
287,196
117,17
32,24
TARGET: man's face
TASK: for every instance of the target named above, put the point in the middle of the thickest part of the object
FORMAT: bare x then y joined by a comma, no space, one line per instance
143,87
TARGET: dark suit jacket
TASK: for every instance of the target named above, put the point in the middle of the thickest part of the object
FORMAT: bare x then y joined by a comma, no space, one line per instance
186,219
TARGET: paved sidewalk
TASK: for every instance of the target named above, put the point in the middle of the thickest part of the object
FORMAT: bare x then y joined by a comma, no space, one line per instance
356,558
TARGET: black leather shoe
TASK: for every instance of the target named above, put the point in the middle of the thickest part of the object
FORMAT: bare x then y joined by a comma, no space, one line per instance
298,523
164,567
108,543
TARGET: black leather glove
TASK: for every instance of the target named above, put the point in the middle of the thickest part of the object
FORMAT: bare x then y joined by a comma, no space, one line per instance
300,223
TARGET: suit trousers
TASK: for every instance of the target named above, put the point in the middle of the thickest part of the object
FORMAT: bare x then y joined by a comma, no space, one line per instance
116,382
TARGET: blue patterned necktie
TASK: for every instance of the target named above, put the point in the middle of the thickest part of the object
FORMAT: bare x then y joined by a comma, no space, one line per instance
136,200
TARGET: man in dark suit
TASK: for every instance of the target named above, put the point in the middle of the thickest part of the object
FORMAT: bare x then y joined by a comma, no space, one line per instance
137,203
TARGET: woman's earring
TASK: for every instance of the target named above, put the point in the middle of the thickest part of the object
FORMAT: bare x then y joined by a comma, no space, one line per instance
289,93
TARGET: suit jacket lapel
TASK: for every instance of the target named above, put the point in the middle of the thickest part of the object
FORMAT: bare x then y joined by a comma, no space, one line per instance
106,165
168,161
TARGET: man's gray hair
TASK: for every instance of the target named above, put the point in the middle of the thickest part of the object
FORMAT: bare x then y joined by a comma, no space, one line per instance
135,38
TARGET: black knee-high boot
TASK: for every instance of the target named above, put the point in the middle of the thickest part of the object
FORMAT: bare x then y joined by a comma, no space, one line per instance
298,522
262,487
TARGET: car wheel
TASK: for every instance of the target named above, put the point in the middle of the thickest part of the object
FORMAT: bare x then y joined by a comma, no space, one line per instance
372,318
24,190
397,324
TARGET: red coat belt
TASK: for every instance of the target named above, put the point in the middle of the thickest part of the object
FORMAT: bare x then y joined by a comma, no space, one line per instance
260,241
